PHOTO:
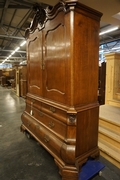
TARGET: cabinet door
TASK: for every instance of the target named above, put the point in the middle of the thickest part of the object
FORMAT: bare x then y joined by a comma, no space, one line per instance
34,49
55,59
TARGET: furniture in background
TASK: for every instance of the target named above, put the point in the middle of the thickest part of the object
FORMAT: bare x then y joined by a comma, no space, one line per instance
112,96
101,83
6,76
21,81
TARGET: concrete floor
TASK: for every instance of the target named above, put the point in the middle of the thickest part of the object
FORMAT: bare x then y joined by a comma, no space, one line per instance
25,159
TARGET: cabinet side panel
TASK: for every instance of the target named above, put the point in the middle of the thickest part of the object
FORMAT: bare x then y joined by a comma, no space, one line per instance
87,131
35,64
86,59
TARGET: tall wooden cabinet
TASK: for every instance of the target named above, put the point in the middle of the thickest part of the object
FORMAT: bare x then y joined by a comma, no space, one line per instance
61,104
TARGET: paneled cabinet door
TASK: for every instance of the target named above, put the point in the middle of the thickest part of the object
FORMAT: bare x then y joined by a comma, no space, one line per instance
34,56
54,81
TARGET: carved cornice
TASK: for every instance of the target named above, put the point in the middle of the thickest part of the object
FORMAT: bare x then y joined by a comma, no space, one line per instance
61,6
43,15
40,14
39,18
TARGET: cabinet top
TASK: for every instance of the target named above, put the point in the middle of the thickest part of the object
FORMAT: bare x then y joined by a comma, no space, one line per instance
43,15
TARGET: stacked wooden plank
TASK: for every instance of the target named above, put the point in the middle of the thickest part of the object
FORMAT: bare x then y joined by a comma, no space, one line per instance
109,133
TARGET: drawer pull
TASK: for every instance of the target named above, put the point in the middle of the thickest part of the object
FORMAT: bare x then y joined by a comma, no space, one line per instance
41,114
52,109
46,138
51,124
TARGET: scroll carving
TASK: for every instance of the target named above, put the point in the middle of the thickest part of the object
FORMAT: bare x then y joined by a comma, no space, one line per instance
42,15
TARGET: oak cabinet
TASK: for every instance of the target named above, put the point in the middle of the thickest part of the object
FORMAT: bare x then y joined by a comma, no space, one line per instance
62,66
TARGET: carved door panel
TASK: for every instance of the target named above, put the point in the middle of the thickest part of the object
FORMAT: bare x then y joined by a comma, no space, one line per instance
34,46
54,61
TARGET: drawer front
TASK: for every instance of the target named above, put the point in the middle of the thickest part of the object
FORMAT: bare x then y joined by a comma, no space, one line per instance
50,141
54,112
29,123
29,109
56,126
48,109
33,103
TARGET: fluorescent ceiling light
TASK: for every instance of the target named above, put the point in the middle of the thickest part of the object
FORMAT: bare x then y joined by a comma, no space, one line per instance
109,30
7,59
22,44
9,56
17,49
13,52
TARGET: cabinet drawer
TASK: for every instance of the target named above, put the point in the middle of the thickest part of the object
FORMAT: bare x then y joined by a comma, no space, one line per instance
56,126
29,123
54,112
48,109
49,140
33,103
29,109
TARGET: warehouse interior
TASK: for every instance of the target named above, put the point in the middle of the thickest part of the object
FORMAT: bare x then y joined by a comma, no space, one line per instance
24,158
16,16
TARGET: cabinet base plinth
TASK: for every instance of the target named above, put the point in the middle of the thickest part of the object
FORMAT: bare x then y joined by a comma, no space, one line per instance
67,172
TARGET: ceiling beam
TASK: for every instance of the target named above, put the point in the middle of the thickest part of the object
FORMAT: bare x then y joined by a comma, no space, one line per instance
7,30
15,60
22,22
12,57
15,7
22,5
5,25
105,41
29,4
8,50
12,37
4,11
